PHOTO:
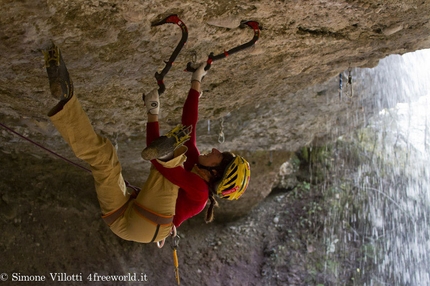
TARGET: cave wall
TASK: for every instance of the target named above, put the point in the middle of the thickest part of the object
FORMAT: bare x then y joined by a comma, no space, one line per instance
269,101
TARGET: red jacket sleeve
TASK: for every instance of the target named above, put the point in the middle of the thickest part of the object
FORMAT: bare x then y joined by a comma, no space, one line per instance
190,114
152,132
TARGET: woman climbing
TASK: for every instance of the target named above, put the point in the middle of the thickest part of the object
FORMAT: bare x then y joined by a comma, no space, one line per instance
179,184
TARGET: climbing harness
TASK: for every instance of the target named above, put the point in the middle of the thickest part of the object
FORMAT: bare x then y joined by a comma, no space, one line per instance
211,58
174,19
127,184
221,137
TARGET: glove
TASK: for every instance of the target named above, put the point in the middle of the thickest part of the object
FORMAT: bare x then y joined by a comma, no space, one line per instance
152,102
199,73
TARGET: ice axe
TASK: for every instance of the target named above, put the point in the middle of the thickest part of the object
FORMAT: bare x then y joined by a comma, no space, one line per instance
211,58
174,19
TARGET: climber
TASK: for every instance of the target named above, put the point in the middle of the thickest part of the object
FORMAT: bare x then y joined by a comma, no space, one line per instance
179,184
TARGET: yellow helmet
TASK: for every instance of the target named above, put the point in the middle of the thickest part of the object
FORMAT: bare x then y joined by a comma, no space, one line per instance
235,179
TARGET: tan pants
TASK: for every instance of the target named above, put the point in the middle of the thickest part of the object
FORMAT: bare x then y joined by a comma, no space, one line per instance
158,194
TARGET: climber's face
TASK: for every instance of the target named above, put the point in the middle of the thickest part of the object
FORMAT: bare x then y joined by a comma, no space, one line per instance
211,159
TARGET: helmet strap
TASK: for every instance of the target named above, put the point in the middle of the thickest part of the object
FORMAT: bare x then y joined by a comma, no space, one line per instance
204,175
210,169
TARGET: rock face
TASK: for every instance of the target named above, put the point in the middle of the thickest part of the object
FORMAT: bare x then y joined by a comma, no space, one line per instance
272,99
259,96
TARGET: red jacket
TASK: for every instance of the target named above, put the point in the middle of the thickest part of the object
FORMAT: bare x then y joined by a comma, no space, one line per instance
193,191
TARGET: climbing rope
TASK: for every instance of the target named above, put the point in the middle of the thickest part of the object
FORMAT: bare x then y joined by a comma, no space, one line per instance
128,185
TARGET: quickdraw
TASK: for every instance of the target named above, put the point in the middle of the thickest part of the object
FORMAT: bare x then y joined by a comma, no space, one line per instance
174,245
211,58
221,136
174,19
349,82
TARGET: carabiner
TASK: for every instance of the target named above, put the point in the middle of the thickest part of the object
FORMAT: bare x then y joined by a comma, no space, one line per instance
221,137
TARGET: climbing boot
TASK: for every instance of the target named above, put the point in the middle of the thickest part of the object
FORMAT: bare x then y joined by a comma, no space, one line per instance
60,83
163,146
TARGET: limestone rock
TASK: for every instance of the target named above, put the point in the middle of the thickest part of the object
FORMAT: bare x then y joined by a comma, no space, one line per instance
265,97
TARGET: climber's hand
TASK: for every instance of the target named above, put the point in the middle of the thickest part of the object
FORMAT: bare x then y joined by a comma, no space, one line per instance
199,73
152,102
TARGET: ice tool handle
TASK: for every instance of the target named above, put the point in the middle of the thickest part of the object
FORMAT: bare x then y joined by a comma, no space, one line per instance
174,19
211,58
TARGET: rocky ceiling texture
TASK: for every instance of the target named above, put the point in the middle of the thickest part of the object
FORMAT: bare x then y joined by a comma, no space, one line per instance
273,98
